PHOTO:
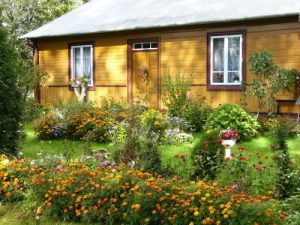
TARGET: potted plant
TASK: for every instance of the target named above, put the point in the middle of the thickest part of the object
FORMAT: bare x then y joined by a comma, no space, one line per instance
80,87
229,137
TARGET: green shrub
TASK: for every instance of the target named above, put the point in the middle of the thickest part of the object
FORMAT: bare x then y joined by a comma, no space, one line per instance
196,113
154,121
11,105
48,127
207,156
175,97
73,107
149,155
92,124
291,208
288,177
175,93
233,116
33,110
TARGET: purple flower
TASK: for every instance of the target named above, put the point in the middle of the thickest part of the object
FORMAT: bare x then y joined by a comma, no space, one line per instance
105,163
97,156
235,187
59,167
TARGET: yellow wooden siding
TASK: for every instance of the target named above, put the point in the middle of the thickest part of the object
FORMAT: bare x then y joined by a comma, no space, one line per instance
180,51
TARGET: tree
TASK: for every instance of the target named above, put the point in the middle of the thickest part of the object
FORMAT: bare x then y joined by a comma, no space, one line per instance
10,97
270,79
22,16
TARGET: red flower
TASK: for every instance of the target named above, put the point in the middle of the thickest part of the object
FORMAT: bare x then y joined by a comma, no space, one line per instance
229,133
204,144
218,142
202,151
241,148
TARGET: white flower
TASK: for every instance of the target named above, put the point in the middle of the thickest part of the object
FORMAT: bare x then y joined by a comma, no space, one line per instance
32,162
5,162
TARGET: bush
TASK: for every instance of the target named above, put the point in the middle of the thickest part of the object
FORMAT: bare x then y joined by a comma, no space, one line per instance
288,177
11,107
92,124
175,93
149,155
154,121
75,192
196,113
233,116
291,209
49,127
72,107
87,124
207,156
34,110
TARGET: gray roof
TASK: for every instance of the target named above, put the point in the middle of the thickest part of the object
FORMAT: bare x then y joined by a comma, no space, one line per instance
98,16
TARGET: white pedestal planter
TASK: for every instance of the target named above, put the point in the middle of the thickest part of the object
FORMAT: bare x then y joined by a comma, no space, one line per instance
228,144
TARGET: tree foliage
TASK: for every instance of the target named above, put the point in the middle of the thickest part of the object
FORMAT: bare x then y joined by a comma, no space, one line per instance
10,96
270,79
22,16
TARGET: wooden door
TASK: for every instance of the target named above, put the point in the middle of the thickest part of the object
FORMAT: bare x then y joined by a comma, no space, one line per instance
145,77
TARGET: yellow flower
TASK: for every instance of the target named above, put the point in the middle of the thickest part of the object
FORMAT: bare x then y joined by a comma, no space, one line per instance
207,195
196,213
147,220
225,216
191,223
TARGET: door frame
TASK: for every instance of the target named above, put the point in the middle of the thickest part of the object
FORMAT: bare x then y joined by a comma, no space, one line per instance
130,51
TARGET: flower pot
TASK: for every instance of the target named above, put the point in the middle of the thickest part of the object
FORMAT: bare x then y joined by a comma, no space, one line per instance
228,144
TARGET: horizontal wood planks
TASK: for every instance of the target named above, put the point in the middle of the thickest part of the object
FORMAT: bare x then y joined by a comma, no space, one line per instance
181,51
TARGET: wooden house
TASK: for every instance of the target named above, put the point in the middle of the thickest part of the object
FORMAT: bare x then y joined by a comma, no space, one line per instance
126,47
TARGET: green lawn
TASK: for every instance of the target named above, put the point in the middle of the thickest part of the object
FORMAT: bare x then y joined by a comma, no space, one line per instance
31,146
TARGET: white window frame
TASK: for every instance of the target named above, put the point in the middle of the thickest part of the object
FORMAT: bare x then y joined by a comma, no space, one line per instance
142,44
226,37
91,82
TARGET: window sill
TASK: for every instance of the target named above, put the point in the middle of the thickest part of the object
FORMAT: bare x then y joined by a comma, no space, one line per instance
90,88
238,87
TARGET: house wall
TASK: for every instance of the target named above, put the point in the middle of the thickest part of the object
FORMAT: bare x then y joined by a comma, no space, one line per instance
182,51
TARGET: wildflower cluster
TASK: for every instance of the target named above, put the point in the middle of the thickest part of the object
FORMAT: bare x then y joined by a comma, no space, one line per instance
49,127
72,191
91,123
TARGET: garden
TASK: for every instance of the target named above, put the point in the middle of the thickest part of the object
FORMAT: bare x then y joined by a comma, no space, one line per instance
130,164
77,163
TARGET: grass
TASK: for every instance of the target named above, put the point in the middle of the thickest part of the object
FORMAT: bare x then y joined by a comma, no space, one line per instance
31,145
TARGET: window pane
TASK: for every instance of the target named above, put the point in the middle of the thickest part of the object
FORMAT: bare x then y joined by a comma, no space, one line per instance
76,62
234,53
87,62
218,77
146,45
234,77
154,45
137,46
218,54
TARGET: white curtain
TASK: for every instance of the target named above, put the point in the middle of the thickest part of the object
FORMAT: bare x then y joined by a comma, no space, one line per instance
86,65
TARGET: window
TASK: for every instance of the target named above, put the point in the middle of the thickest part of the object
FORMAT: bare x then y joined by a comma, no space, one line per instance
145,46
226,60
82,62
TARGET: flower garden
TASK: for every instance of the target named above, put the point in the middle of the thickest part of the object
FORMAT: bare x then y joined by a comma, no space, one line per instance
130,164
134,184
